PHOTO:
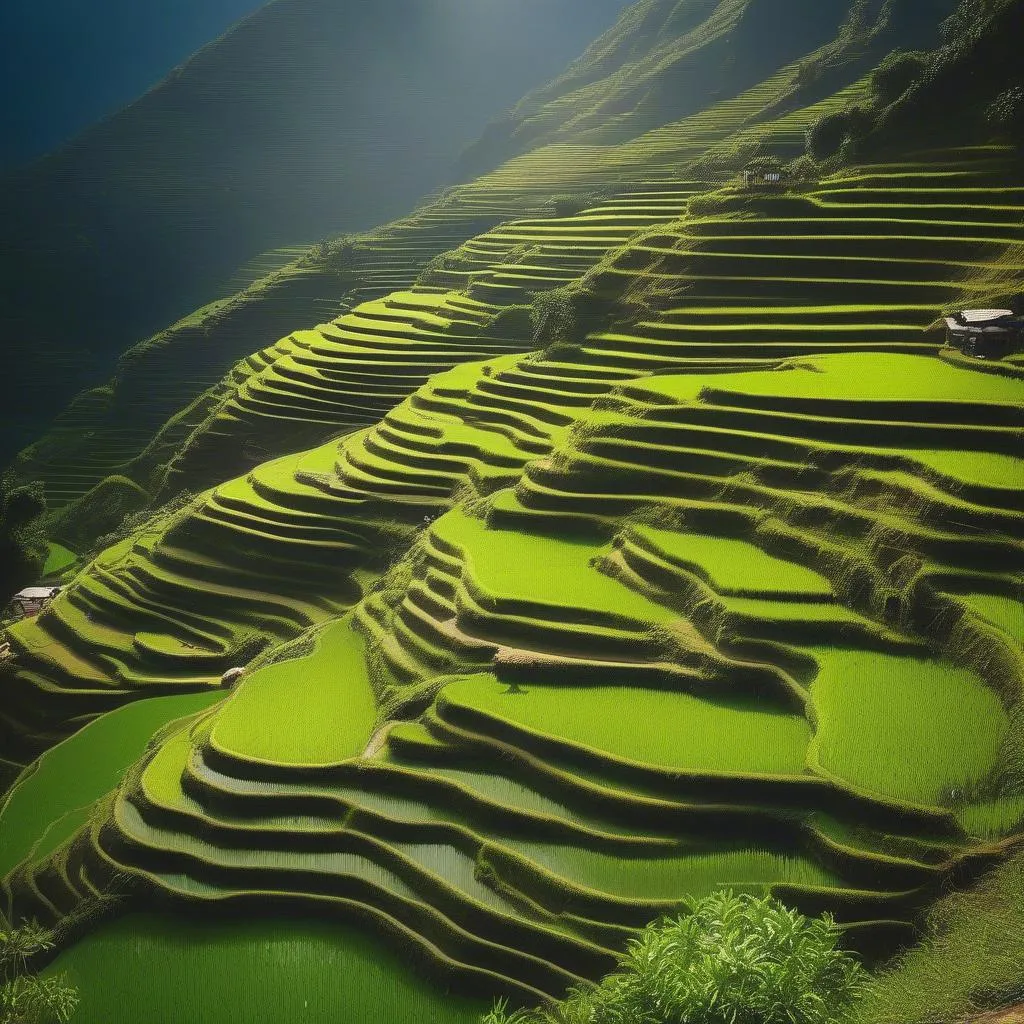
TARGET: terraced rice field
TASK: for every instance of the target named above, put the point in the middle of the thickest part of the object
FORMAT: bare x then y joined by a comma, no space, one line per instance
316,968
722,596
198,400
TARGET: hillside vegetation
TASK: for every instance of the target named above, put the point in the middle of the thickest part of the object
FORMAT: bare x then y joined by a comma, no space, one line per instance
281,132
636,541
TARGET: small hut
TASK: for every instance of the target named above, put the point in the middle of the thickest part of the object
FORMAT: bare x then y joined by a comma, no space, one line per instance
985,333
32,600
764,174
232,677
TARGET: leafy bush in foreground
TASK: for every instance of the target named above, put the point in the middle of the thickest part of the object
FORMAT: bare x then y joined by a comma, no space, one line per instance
734,960
26,998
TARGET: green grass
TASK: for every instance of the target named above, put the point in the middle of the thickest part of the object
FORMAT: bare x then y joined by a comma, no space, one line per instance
164,969
58,559
994,819
904,728
54,797
669,730
738,567
315,709
970,962
550,569
856,376
1004,612
986,468
694,874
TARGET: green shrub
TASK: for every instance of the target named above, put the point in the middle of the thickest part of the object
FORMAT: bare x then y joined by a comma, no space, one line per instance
23,543
144,520
733,960
337,254
896,74
554,316
829,135
26,998
1006,112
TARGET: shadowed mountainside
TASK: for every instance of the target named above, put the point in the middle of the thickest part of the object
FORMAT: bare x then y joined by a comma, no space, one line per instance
308,118
106,435
667,59
629,535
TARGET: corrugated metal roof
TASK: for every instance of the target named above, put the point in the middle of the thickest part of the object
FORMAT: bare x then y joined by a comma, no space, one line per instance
980,316
35,593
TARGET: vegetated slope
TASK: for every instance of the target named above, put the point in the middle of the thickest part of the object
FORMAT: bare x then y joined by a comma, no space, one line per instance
734,308
644,178
293,125
757,629
667,59
713,576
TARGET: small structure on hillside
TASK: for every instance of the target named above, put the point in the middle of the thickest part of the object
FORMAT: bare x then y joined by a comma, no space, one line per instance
231,678
32,600
764,175
985,333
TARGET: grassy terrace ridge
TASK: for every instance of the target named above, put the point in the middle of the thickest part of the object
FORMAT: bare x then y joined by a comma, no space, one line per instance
224,389
707,575
583,631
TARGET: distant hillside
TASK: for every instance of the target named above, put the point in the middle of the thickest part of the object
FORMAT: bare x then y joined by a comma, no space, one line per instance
626,533
309,118
107,434
667,59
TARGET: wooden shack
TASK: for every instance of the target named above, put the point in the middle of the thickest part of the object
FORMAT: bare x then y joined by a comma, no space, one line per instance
985,333
32,600
764,176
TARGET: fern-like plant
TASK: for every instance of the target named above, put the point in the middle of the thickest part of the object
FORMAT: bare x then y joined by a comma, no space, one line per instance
26,998
735,959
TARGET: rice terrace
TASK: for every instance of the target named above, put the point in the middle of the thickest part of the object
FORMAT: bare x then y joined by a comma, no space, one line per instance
593,595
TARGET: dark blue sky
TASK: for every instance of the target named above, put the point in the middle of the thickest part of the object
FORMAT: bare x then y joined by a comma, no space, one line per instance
64,64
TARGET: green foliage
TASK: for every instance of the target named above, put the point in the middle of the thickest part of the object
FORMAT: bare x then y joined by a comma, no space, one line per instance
99,511
144,520
554,316
835,133
736,959
896,74
337,254
968,20
25,998
23,542
1006,112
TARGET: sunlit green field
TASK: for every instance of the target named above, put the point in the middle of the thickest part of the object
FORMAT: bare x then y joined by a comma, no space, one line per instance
908,729
54,798
671,730
242,971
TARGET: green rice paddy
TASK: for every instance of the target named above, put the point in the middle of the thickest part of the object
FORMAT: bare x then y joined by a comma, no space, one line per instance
317,709
239,971
693,875
908,729
668,730
553,632
58,559
52,800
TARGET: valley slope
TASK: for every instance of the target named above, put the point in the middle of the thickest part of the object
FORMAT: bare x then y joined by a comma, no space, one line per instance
627,545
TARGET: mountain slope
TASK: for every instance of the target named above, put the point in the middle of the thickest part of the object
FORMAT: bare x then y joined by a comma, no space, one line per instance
772,115
667,59
646,545
310,117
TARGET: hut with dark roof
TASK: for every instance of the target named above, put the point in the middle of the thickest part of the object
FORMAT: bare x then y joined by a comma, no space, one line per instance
985,333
